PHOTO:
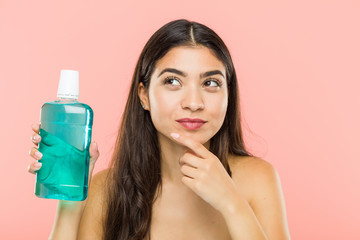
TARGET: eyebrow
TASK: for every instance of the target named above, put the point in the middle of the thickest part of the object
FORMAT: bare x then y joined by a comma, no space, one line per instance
202,75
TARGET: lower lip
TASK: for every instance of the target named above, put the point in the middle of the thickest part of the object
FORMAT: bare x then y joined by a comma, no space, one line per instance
191,125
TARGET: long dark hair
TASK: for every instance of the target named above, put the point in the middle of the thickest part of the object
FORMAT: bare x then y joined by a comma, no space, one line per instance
135,169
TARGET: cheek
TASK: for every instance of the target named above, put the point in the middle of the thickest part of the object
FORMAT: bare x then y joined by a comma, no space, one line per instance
162,105
217,107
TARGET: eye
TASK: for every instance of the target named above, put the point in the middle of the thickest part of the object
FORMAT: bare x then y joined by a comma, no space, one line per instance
212,83
173,81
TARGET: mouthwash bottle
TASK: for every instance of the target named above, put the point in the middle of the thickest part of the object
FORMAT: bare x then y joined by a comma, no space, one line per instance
65,130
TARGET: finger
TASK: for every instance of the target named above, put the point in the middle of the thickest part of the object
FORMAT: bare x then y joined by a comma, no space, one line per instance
94,151
35,153
188,182
190,159
193,145
33,167
94,155
36,138
188,171
35,127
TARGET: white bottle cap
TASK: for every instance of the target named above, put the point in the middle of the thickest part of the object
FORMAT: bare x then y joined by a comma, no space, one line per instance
68,84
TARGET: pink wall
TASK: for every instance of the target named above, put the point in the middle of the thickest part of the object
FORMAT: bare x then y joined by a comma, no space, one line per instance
298,69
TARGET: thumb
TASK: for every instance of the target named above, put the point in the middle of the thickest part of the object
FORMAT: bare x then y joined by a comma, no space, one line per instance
94,153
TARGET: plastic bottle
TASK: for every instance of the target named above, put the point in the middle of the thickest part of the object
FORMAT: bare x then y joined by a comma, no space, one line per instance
65,131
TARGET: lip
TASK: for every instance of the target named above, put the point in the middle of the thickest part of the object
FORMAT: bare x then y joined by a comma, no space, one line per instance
191,123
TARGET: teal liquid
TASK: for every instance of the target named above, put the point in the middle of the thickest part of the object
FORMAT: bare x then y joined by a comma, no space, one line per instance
65,140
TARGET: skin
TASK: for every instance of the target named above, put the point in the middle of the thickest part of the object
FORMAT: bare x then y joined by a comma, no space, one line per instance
198,200
185,97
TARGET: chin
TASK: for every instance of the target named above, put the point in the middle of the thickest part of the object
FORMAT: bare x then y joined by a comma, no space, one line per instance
202,138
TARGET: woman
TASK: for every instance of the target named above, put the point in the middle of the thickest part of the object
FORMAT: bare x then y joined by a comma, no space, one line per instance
180,169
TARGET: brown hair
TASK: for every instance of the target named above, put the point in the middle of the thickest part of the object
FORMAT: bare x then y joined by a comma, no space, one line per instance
136,174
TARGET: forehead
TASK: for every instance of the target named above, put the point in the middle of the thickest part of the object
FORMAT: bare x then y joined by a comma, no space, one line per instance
190,59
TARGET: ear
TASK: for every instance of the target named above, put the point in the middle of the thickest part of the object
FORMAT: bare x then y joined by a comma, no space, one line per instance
143,96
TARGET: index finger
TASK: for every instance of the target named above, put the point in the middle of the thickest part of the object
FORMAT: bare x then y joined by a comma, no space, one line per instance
35,127
193,145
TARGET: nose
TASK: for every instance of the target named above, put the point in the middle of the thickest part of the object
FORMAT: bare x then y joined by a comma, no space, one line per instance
192,99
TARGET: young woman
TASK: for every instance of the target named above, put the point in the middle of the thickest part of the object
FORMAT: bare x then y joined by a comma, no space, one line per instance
180,169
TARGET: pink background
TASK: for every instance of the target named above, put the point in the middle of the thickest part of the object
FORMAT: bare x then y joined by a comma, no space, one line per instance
298,69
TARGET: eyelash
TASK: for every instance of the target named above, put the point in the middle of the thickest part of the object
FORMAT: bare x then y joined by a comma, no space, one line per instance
167,80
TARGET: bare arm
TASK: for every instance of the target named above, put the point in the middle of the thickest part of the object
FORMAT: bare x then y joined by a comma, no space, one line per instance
266,211
91,224
242,222
205,175
67,218
82,220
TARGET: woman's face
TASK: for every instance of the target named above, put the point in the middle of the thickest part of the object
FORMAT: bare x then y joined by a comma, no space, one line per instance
187,93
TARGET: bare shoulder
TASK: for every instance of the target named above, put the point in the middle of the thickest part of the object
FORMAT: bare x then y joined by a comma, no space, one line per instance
97,193
93,216
98,180
249,164
97,188
259,182
252,174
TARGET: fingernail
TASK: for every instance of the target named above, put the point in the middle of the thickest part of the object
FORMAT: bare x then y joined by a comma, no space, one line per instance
38,154
35,138
37,164
95,145
175,135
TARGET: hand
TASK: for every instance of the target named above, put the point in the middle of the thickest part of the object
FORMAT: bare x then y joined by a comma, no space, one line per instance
205,175
35,138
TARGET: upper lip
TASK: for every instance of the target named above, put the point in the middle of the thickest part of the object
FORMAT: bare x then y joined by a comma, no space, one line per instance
191,120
